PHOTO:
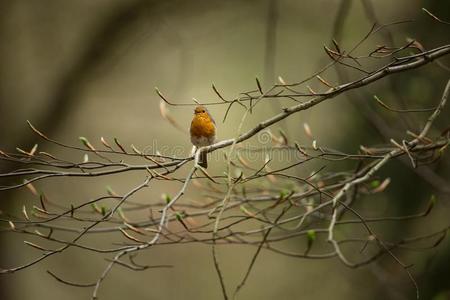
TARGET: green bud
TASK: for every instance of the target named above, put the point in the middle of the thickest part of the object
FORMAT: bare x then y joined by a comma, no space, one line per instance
166,197
311,235
179,216
375,184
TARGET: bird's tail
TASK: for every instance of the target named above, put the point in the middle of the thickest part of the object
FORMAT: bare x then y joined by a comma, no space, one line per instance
203,159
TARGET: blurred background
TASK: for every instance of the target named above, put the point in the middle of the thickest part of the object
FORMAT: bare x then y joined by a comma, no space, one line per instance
89,68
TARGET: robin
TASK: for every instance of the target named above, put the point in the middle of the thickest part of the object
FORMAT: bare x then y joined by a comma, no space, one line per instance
203,132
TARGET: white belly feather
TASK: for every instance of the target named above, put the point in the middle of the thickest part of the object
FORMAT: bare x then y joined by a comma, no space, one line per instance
202,141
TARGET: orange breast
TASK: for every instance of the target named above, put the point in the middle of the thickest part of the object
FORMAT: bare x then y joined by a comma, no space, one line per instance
202,126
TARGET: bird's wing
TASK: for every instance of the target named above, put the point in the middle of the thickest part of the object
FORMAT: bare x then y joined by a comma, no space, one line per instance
212,119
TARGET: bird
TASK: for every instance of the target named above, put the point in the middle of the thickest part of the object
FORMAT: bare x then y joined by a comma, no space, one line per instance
203,132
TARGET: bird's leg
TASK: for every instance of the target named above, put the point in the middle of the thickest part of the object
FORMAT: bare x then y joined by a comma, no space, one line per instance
198,158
